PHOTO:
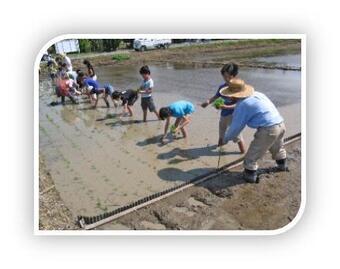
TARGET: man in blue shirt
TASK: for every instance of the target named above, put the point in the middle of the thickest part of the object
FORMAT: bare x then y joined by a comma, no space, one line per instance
228,72
255,110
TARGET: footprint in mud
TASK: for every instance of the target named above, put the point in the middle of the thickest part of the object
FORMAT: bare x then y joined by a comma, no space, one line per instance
129,172
106,179
100,206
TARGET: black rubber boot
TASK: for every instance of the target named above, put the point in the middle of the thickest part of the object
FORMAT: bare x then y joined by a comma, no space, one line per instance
282,164
107,103
63,100
250,176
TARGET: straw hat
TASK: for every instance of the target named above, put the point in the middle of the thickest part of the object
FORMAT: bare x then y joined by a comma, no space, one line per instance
237,88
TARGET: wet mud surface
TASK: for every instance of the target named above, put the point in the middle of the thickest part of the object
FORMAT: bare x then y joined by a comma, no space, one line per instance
100,161
226,202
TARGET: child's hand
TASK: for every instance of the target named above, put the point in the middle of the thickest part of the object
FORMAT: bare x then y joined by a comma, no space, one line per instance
204,105
218,103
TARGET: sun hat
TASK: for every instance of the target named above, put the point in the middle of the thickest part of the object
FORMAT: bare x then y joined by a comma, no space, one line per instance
237,88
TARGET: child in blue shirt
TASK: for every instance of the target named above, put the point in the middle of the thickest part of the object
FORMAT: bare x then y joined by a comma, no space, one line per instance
181,110
94,90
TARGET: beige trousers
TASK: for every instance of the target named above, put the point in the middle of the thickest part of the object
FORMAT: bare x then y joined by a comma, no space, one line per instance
223,126
266,138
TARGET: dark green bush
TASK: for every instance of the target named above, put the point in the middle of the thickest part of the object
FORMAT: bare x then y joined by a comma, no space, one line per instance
85,45
111,44
97,45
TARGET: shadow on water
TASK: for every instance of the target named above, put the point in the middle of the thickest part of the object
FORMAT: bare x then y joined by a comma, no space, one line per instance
150,141
219,185
193,153
110,117
92,108
120,122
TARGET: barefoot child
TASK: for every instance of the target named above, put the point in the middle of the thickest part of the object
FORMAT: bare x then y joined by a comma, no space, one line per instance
180,110
90,70
146,92
94,90
128,98
65,87
228,72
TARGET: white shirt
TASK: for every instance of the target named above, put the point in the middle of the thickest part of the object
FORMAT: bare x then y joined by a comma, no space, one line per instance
147,85
68,63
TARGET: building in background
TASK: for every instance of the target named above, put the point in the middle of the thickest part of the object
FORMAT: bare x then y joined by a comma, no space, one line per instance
67,45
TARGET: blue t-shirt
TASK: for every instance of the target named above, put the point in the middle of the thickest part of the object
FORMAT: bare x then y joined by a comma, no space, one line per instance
90,82
108,88
227,101
254,111
181,108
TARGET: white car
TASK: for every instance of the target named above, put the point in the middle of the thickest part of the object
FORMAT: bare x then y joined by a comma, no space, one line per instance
143,44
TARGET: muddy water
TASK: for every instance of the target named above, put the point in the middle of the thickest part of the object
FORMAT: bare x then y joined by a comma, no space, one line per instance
290,60
100,161
283,87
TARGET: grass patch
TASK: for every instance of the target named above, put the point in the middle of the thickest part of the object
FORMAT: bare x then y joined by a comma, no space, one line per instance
241,44
121,57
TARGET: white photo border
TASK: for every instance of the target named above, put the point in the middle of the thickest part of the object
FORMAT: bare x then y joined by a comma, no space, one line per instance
281,230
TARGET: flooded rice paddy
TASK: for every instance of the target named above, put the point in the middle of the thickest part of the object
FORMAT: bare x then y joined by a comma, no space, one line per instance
100,161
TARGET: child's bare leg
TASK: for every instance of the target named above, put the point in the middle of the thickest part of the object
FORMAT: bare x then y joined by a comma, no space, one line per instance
177,122
96,99
241,146
184,132
157,115
129,108
145,113
184,122
106,101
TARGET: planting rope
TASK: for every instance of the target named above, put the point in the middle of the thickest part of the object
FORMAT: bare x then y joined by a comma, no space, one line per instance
95,221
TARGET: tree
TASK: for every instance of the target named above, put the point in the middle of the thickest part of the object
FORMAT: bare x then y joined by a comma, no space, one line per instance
111,44
97,45
85,45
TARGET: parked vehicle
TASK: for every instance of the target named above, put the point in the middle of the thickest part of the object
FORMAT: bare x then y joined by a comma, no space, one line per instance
143,44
